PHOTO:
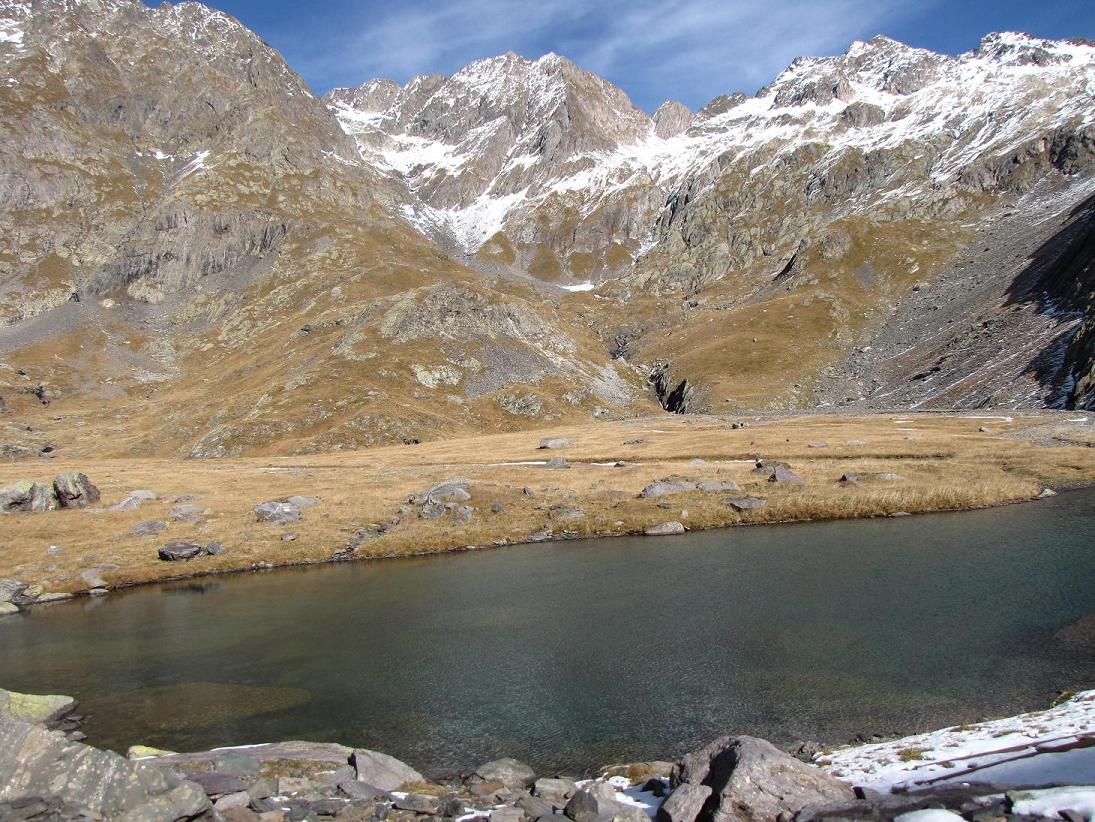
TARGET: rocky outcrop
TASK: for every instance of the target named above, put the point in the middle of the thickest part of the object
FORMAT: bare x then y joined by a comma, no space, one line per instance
37,764
750,780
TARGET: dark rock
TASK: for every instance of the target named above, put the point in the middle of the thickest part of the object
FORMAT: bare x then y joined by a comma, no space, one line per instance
684,804
74,490
327,807
752,780
178,551
452,807
654,786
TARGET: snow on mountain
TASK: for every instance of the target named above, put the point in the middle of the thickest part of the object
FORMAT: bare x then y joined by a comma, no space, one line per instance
543,156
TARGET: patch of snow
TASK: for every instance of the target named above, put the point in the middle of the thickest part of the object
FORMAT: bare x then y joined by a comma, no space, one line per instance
928,815
1052,801
964,753
586,286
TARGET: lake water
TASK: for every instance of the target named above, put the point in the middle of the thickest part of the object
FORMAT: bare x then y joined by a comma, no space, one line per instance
578,654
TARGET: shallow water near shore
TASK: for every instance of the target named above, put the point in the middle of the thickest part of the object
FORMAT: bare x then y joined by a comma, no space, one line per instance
574,655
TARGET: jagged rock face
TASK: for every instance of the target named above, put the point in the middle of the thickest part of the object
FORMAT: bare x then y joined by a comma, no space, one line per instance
152,147
495,155
884,129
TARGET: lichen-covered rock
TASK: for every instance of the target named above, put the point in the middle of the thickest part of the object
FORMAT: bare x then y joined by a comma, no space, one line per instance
35,762
75,490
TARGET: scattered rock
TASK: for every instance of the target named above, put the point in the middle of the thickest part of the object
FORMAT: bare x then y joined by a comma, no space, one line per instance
134,499
92,578
1047,492
302,502
148,528
849,478
665,529
555,442
277,512
179,551
746,503
188,512
565,513
557,462
716,486
784,475
75,490
288,536
662,488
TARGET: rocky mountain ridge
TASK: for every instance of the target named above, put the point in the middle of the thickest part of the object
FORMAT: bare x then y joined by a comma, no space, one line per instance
200,257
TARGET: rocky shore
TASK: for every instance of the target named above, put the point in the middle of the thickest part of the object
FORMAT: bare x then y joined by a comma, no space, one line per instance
1011,769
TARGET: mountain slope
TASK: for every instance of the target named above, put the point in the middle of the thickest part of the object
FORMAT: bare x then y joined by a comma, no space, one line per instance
195,259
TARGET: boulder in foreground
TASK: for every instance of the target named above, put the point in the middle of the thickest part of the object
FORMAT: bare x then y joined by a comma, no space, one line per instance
752,781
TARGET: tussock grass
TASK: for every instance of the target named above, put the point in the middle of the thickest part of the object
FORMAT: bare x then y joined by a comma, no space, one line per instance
944,463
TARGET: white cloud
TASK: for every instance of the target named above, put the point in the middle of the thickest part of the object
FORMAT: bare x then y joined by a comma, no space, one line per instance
691,50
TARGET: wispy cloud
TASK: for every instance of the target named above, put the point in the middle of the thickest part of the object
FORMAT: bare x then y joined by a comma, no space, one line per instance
689,50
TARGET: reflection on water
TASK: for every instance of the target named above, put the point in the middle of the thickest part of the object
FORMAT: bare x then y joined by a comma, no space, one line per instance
572,655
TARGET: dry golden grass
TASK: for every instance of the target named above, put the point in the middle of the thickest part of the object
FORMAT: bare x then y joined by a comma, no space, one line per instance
944,460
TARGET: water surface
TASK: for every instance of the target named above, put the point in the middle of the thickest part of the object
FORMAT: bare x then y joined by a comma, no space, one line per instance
573,655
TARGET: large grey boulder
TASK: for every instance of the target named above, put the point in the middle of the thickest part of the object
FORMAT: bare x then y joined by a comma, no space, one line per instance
180,551
753,781
555,790
784,476
35,762
75,490
684,804
277,513
663,488
506,771
555,442
382,771
26,496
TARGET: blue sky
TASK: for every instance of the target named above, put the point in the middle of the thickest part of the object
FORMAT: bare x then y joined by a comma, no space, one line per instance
688,50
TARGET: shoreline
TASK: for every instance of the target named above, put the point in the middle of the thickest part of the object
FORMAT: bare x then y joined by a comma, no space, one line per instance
646,476
467,549
1024,764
